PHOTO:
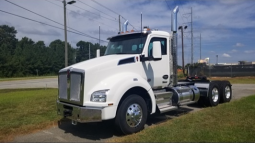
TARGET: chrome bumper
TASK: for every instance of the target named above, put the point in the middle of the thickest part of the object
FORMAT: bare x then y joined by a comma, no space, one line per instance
79,114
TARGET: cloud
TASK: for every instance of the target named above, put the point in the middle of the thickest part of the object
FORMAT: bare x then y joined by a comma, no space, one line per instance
226,55
233,51
249,51
230,1
44,32
238,45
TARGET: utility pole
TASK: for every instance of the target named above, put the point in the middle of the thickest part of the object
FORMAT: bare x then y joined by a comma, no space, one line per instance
191,38
66,49
217,59
89,51
141,21
119,24
99,37
200,46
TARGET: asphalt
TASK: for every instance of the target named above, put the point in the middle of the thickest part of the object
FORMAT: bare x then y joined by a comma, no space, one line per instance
102,131
32,83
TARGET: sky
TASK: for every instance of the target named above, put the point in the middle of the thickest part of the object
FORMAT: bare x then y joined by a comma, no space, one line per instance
227,27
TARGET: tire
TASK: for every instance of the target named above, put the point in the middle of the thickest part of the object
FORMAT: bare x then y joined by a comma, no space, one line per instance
226,91
213,94
125,120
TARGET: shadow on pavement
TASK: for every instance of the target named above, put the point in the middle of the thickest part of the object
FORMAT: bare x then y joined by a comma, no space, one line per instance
105,130
91,131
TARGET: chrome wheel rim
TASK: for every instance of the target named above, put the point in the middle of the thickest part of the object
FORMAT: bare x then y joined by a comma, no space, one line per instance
215,94
134,115
227,92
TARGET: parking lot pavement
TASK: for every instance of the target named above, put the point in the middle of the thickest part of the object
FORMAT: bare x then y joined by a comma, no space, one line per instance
31,83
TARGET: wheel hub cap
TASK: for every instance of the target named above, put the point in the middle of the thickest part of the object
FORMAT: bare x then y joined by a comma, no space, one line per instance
215,95
227,92
134,115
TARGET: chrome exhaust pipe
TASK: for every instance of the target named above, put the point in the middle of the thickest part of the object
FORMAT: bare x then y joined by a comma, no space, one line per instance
174,45
125,24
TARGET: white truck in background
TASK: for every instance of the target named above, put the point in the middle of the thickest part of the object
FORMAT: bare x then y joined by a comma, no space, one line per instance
136,77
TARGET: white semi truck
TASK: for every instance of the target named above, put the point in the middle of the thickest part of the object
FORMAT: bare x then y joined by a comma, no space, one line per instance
136,77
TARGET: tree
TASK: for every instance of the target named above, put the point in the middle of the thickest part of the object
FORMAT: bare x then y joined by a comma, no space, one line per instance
7,46
26,57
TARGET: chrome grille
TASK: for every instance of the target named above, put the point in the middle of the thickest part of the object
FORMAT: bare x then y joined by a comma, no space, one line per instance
62,86
71,85
75,87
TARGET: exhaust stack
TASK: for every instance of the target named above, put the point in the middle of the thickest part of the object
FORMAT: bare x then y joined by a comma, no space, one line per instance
98,53
174,19
124,28
174,45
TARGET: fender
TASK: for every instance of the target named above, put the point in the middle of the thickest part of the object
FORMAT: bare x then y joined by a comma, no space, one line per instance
119,84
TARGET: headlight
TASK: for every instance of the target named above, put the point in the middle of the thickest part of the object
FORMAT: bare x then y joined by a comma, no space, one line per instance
99,96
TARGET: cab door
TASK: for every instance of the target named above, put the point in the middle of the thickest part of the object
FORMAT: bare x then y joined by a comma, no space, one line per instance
157,71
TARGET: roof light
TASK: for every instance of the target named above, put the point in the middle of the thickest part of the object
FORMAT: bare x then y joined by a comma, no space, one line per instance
146,29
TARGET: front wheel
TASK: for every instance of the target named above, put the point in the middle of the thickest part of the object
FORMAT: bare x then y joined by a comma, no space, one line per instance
131,115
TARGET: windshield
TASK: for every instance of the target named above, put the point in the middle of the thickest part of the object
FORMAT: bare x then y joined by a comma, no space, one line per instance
126,44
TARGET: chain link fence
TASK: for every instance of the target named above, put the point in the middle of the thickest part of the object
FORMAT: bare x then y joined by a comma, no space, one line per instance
222,70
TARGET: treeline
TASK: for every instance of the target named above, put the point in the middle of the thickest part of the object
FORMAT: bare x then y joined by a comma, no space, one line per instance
25,57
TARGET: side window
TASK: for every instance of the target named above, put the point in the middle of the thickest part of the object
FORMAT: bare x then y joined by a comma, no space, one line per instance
163,46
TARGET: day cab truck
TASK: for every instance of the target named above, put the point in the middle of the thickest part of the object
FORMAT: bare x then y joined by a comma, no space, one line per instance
136,77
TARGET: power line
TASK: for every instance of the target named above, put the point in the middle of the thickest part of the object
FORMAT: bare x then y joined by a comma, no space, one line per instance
74,11
95,9
84,10
50,25
55,4
129,22
113,12
95,13
45,17
33,12
104,7
104,24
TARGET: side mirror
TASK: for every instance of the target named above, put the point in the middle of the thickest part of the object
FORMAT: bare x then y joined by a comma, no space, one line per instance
142,58
156,51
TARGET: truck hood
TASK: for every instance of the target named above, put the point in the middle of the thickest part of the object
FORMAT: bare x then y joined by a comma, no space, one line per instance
109,60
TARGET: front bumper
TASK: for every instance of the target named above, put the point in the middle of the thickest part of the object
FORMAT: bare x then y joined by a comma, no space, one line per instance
79,114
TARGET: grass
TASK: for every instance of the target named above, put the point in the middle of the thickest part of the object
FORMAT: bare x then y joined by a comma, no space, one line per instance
236,80
229,122
26,110
25,78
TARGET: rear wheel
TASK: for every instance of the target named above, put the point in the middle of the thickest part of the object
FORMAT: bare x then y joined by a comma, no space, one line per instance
226,91
213,94
131,115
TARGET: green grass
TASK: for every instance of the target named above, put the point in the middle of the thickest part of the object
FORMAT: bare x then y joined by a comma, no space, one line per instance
25,78
237,80
229,122
26,110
